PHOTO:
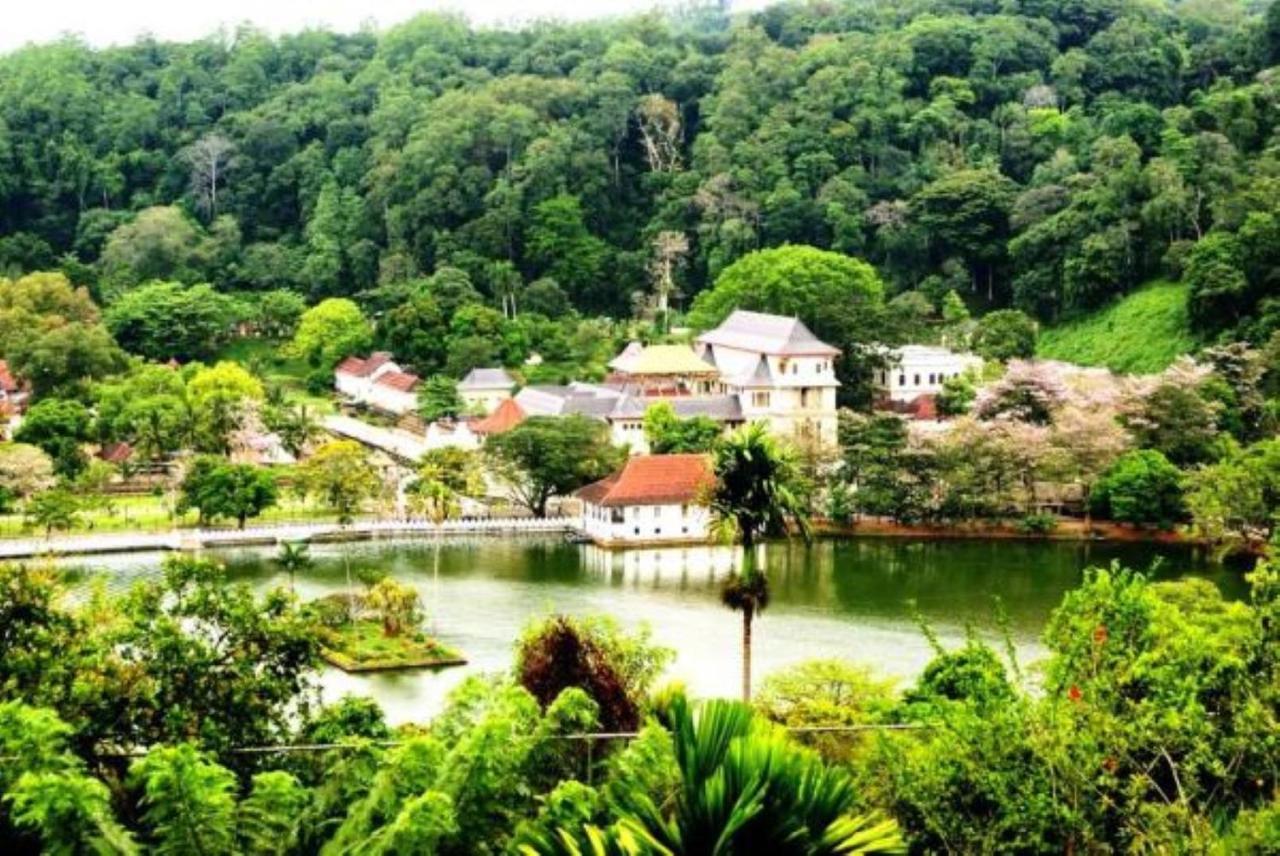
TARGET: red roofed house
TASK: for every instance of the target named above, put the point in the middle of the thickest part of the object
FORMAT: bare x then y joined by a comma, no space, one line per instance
13,395
354,377
394,392
653,499
505,416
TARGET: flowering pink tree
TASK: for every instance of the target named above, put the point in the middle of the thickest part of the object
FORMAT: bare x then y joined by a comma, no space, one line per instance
1084,443
1029,392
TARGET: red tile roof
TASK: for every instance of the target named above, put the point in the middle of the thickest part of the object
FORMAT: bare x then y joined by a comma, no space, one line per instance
362,367
653,480
116,453
402,381
7,382
351,366
504,417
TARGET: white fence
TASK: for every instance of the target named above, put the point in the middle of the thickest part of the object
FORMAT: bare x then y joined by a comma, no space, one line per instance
192,539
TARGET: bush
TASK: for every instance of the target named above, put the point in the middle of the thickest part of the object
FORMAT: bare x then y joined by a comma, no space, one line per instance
1141,487
1004,335
1038,523
615,669
319,381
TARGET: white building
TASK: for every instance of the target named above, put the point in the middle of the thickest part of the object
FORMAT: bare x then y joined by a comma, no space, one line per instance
753,367
485,389
354,376
450,433
652,500
623,408
780,372
394,392
377,382
917,370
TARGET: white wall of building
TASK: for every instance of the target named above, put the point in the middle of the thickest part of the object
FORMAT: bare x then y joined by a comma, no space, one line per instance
922,370
645,524
392,400
801,403
361,388
458,435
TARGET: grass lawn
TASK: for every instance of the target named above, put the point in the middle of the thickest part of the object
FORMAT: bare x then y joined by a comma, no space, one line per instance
361,646
264,358
150,513
1141,333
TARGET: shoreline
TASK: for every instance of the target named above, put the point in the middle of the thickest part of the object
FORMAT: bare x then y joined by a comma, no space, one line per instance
1067,529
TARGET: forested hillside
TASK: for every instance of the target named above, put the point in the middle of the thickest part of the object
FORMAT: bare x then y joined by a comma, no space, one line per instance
1042,154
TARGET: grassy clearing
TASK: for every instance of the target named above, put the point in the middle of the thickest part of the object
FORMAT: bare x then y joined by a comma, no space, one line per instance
151,513
361,646
264,358
1141,333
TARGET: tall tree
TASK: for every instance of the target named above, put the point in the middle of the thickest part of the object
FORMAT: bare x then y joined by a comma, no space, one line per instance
757,492
546,456
210,159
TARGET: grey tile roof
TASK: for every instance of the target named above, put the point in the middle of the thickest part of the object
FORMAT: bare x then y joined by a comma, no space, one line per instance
770,334
590,405
487,379
761,376
722,408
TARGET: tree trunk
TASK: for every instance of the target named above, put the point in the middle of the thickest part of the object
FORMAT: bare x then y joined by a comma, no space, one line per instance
435,584
747,616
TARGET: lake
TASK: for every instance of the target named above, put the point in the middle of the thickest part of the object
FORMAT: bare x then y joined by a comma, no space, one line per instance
851,598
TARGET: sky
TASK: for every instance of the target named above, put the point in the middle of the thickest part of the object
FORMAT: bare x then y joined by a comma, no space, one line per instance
108,22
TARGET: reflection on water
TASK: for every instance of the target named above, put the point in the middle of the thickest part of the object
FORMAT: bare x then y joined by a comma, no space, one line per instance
852,598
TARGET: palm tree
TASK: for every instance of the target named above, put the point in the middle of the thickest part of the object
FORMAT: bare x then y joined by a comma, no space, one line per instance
440,503
744,787
747,593
294,556
297,427
757,492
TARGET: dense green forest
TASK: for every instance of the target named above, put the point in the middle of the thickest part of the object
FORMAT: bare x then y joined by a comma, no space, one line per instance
1044,155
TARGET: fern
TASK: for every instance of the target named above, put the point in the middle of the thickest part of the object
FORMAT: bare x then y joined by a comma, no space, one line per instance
188,802
71,814
268,818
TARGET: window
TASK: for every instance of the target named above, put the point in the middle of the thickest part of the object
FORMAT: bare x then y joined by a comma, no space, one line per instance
637,530
902,380
617,515
916,380
759,399
795,368
931,376
884,377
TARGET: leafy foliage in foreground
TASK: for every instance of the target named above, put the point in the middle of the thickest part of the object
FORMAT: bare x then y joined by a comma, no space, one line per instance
1154,730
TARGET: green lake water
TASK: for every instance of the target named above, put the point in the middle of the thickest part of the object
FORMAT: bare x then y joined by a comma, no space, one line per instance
854,598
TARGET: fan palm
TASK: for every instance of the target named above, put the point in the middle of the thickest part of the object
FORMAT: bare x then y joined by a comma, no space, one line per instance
294,556
744,787
757,492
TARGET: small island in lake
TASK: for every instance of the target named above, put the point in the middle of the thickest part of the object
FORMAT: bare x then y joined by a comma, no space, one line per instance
378,631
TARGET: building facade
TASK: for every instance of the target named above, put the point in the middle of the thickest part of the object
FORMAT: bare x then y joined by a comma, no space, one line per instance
781,373
377,381
753,367
920,370
652,500
354,377
484,389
